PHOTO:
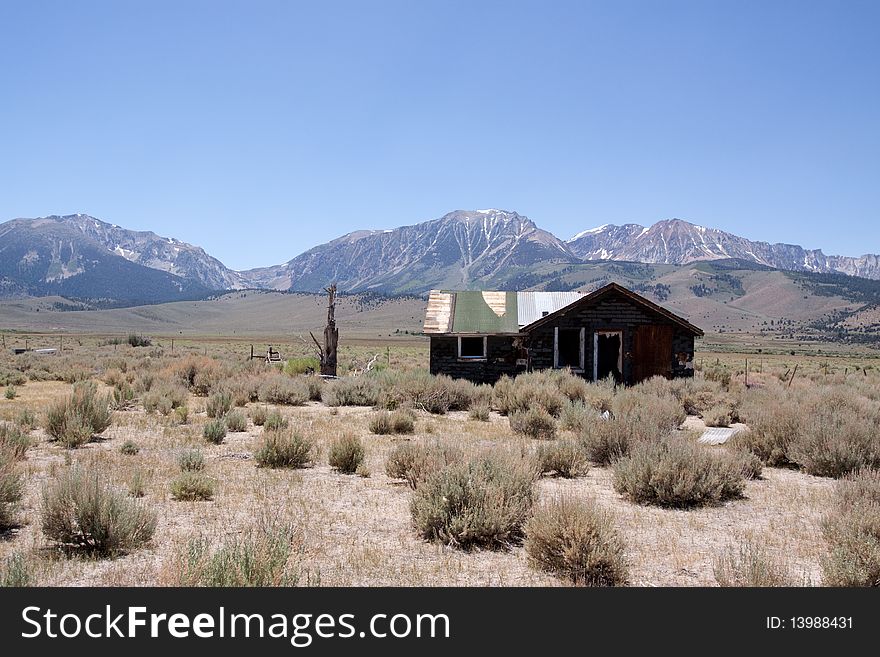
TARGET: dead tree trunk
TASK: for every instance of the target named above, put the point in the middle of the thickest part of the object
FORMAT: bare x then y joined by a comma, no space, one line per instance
327,352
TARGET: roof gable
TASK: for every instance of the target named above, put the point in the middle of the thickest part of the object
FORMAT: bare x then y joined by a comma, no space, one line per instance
614,288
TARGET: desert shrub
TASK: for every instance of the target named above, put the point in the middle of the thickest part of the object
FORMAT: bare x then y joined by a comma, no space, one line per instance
11,378
215,431
750,564
774,420
10,392
11,487
259,415
191,486
129,448
346,453
191,460
675,472
435,394
315,387
275,421
198,373
236,421
26,419
16,570
14,440
718,416
480,502
577,542
748,462
219,404
181,415
285,449
640,408
564,458
480,412
718,373
136,340
399,421
123,396
528,391
303,365
852,530
244,389
835,441
165,398
75,419
81,511
534,423
262,556
696,395
352,391
280,389
137,484
574,416
414,462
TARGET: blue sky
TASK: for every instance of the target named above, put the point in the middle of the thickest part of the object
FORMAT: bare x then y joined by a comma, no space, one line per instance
259,129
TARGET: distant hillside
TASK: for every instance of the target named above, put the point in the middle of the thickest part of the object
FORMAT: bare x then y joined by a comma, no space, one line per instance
46,257
679,242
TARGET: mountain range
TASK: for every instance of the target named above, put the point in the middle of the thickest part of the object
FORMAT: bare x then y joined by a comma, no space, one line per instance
81,257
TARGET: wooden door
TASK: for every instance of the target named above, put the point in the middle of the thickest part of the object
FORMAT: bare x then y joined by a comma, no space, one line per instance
652,351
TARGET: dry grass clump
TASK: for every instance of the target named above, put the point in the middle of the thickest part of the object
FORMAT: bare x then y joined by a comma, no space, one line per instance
191,460
283,390
215,431
577,542
165,398
11,487
190,486
435,394
219,404
719,415
528,391
17,570
852,531
262,556
243,389
73,420
198,373
480,502
575,415
236,421
14,439
480,411
81,511
285,449
637,407
346,454
563,458
414,462
384,423
534,423
275,421
835,441
827,432
352,391
258,415
750,564
675,472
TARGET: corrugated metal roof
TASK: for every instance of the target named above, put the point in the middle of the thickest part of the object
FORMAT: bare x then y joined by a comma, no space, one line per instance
484,312
532,306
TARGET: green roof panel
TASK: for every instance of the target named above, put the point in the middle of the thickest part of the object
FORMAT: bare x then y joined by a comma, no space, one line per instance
485,312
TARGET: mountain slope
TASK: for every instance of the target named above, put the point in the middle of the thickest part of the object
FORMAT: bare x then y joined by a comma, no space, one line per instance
151,250
44,256
461,249
679,242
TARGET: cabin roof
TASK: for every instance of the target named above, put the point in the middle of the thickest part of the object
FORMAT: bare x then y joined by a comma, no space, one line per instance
510,313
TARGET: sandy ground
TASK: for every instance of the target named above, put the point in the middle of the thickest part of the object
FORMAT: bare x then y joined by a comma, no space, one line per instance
357,531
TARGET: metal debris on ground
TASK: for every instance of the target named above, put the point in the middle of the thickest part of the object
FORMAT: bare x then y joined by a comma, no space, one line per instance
718,435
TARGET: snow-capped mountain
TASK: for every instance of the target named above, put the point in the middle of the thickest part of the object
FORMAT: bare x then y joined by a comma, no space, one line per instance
460,249
156,252
679,242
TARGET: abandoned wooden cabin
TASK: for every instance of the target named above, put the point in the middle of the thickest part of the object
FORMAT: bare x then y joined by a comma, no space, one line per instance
612,331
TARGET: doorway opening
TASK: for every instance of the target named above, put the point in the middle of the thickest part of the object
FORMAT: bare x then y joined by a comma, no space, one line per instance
569,349
608,355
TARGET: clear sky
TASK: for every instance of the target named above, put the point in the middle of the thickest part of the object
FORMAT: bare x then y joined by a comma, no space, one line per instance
259,129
